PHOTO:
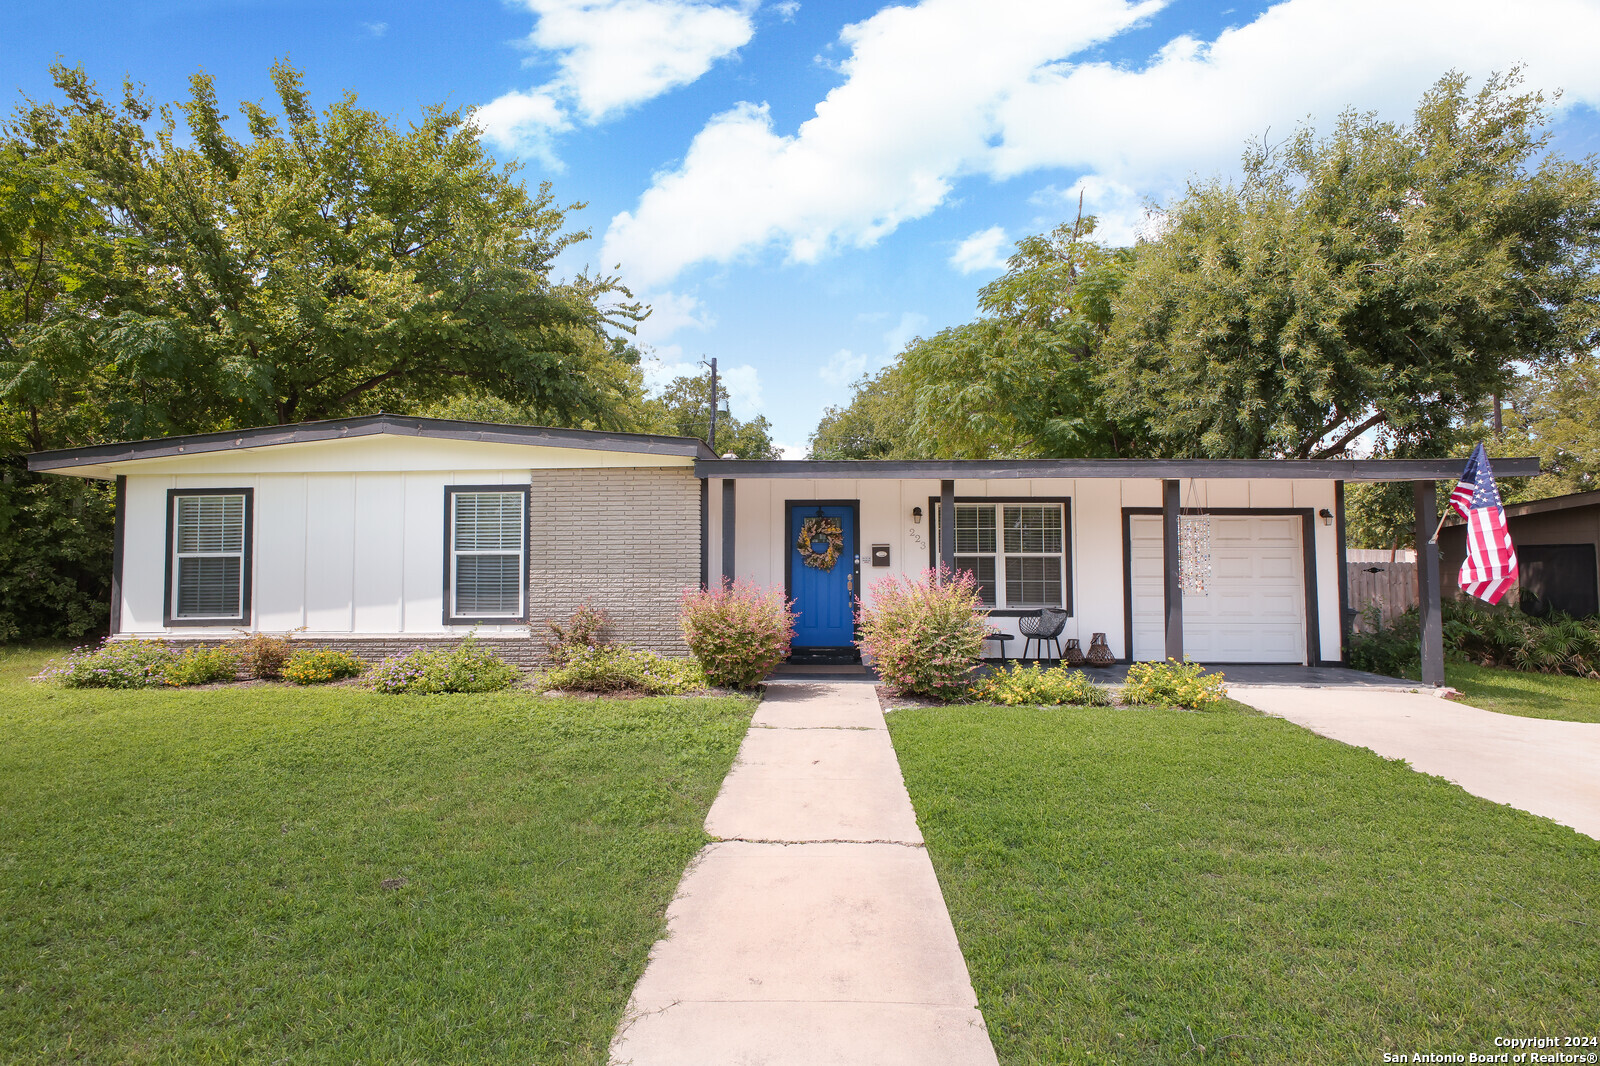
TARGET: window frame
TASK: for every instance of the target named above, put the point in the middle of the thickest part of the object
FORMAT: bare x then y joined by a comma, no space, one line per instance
1000,503
448,605
169,617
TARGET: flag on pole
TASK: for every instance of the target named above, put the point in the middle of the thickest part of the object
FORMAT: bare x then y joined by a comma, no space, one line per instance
1491,564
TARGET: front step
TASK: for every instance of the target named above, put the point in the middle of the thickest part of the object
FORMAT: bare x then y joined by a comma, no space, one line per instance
824,656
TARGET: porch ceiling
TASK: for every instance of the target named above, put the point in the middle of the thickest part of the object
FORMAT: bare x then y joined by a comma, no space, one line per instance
1307,469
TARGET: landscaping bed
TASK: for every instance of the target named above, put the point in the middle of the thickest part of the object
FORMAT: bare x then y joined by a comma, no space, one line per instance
271,873
1143,885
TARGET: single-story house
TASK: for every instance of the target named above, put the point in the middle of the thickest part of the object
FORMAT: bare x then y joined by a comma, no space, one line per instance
1558,553
388,532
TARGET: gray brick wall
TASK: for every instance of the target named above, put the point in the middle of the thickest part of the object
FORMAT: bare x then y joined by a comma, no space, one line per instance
627,537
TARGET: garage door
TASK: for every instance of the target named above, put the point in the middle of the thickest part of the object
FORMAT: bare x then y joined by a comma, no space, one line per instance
1253,609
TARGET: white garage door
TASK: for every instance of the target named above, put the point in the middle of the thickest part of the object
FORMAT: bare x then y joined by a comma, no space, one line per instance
1254,607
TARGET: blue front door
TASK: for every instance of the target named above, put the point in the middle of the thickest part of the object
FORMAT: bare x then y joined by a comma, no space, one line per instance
823,594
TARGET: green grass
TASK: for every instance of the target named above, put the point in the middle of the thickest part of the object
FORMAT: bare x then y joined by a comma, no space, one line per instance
1569,699
199,876
1131,886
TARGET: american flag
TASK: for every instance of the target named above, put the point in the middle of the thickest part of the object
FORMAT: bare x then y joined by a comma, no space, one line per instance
1491,564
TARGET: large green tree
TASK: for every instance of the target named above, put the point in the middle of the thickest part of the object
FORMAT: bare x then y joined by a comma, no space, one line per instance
1020,380
1366,289
322,265
162,271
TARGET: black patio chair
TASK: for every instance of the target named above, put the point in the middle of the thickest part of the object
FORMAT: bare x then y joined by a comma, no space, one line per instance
1044,627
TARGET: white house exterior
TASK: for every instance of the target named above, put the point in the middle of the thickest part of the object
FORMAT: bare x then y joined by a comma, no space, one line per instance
388,532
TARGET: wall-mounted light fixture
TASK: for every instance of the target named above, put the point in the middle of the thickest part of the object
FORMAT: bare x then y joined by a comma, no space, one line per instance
1326,516
916,515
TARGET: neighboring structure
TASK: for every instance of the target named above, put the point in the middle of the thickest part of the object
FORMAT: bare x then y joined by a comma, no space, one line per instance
1558,549
385,532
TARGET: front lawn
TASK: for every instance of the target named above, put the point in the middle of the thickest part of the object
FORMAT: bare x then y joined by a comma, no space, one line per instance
1156,886
1570,699
269,874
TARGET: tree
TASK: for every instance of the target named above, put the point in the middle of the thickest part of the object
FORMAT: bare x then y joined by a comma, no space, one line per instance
684,409
326,265
875,424
1375,286
157,281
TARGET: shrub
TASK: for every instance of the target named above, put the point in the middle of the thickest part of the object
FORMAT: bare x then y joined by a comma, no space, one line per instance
589,627
924,637
617,669
1388,650
738,632
1178,684
262,655
469,668
114,664
310,666
202,666
1034,685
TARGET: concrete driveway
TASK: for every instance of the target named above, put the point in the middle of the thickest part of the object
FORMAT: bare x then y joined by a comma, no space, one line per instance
1544,767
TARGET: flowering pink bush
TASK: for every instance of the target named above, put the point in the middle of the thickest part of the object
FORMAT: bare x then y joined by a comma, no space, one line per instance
738,632
924,637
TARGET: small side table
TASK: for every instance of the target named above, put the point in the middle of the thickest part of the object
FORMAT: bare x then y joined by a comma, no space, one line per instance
1000,638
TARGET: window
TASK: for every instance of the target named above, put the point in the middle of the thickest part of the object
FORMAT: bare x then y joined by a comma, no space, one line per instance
208,556
487,560
1016,551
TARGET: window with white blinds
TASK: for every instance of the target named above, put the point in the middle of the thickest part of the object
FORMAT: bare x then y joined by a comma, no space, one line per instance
1017,552
488,554
210,541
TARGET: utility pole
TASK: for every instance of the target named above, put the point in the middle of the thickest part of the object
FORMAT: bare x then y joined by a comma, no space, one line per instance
713,433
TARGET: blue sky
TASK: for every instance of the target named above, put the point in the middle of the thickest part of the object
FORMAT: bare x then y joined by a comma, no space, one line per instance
801,187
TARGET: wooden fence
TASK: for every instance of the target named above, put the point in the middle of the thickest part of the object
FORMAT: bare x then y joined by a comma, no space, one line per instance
1392,586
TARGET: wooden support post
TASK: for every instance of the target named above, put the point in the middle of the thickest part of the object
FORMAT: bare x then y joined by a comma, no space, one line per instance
1173,591
728,513
947,527
1428,585
1346,615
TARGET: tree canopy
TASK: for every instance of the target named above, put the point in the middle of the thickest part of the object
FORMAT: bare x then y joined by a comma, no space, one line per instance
321,265
1383,281
1371,290
164,271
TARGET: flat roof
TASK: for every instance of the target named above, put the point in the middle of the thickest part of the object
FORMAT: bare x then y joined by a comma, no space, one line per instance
65,459
1308,469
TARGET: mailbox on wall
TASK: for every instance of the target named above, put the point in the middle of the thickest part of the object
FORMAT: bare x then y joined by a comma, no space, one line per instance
880,555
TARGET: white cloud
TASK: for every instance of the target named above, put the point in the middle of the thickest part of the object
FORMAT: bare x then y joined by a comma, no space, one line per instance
792,451
524,123
984,250
950,88
787,9
376,29
671,312
845,366
1193,107
613,55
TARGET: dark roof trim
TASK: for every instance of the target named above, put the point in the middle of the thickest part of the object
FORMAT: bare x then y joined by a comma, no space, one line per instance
345,428
1569,502
1310,469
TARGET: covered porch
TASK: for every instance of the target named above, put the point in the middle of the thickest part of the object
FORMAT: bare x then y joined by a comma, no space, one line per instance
1097,539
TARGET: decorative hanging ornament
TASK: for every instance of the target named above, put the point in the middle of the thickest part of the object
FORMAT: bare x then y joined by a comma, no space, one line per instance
821,542
1194,549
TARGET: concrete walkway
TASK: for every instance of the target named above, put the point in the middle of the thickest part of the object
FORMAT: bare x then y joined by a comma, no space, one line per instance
1541,766
813,932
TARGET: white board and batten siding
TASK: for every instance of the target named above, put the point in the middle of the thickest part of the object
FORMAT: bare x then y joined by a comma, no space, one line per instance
348,535
1095,542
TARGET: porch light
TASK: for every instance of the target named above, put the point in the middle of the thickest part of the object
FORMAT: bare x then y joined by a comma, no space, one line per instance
1326,516
916,516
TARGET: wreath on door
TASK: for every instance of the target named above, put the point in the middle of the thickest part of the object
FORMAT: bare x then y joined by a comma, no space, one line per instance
821,542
